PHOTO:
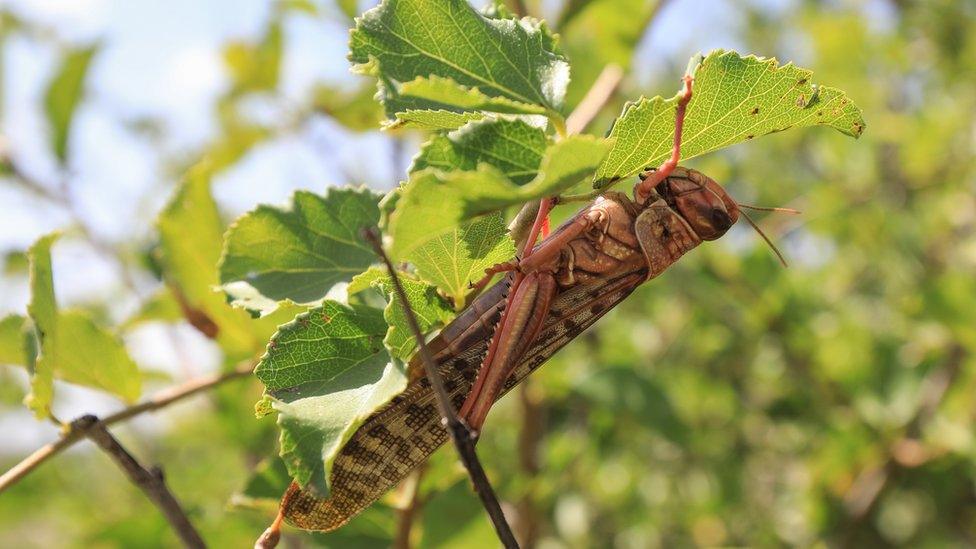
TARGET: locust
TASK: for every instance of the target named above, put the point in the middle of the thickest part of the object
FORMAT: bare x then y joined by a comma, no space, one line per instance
550,294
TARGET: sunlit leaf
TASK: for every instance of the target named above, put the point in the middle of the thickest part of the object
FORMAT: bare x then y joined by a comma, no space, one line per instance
300,252
64,92
236,140
69,345
90,356
13,338
349,7
447,92
256,66
735,99
459,257
15,263
356,109
512,146
503,58
432,119
43,311
191,233
162,306
326,371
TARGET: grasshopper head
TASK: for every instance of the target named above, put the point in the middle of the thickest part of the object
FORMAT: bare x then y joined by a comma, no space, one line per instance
701,201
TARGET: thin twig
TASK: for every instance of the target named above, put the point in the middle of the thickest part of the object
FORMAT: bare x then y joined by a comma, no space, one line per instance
463,438
595,99
62,198
518,7
150,481
522,224
407,514
533,425
73,434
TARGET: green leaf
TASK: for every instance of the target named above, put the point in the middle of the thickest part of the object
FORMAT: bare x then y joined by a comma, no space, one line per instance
71,346
455,259
236,139
256,67
433,203
439,119
454,519
300,252
597,33
429,308
512,146
162,306
307,7
13,339
445,91
90,356
14,262
349,7
326,372
735,99
263,490
357,110
503,58
64,92
191,233
43,311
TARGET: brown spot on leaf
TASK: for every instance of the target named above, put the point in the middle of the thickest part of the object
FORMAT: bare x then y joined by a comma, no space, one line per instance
754,111
801,81
750,136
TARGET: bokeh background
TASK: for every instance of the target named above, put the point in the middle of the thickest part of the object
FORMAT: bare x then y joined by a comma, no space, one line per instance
730,402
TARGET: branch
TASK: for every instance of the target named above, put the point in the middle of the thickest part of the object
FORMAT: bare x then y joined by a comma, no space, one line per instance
410,509
518,8
150,481
463,438
599,93
76,432
522,224
533,426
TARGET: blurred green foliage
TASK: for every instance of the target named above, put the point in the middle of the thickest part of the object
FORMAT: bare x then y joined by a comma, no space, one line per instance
729,402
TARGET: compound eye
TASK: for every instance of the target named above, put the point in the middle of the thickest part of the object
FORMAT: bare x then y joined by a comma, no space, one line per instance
721,220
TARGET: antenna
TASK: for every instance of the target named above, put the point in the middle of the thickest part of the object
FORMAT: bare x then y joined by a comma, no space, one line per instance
768,209
763,235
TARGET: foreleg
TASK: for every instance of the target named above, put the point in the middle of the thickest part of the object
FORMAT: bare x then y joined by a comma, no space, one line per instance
651,178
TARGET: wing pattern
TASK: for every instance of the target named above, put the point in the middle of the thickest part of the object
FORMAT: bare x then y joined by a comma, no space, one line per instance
405,432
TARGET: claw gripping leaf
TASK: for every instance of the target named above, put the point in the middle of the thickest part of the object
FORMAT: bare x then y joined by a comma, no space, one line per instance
736,99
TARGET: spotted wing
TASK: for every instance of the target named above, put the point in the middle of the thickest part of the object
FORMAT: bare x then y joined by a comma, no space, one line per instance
405,432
